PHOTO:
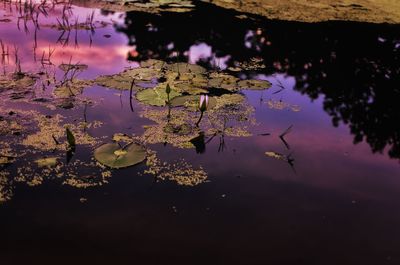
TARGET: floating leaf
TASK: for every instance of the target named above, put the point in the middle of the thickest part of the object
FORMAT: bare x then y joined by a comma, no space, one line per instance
191,102
73,88
113,156
224,81
155,96
186,68
254,84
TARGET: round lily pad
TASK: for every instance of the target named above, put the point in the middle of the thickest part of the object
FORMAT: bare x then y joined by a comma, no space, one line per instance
155,96
113,156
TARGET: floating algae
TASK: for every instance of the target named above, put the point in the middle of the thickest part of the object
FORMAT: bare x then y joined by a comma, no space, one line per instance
180,172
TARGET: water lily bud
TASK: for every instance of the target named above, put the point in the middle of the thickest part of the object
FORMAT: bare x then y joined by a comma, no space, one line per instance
203,105
168,89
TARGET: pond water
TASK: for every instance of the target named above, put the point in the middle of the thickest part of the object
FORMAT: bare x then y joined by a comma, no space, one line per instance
295,160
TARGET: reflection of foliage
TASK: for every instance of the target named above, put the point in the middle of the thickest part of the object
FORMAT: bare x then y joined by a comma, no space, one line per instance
357,74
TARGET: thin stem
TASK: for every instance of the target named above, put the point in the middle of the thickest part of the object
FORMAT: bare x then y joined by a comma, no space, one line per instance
198,122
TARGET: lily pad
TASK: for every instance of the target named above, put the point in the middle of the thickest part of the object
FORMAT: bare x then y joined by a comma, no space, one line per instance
155,96
113,156
186,68
191,102
71,89
224,81
254,84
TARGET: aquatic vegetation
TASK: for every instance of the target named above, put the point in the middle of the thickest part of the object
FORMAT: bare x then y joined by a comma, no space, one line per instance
150,6
51,132
17,82
47,162
180,172
172,94
251,65
6,192
183,78
203,105
177,131
79,174
156,96
281,105
68,67
116,156
379,11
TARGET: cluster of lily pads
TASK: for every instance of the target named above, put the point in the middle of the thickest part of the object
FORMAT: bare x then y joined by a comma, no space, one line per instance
171,95
185,105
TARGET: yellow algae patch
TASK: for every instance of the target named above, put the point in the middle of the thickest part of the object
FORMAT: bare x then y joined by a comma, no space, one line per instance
232,116
5,187
281,105
173,127
47,162
374,11
180,172
51,132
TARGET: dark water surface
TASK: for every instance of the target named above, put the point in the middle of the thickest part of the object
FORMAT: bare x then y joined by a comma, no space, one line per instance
336,201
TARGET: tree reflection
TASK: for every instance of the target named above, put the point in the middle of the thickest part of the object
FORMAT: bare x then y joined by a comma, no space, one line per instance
353,66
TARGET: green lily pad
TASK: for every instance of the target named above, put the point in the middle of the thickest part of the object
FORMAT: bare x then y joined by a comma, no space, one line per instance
113,156
155,96
224,81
